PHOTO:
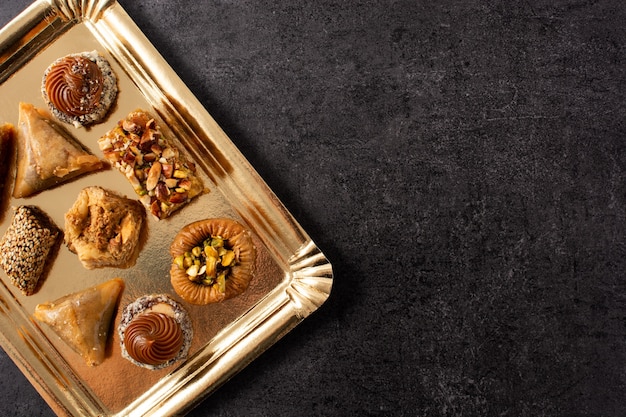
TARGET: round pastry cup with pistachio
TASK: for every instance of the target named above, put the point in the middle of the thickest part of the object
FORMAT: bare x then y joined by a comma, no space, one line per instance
213,260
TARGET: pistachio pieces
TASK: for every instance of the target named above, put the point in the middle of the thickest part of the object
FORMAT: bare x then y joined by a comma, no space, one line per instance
161,176
208,263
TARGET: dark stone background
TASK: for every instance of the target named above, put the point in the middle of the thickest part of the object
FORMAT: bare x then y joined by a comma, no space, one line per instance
461,163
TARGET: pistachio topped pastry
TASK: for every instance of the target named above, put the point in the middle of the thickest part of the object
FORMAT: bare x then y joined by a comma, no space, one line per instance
162,177
213,260
209,262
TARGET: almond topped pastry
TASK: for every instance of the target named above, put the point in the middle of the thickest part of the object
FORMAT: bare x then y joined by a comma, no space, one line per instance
160,174
214,260
47,155
83,319
79,88
103,228
155,331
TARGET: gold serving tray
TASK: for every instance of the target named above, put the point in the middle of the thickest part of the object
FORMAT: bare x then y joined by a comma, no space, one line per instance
293,277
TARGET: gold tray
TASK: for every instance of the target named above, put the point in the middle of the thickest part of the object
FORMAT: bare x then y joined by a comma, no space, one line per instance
293,277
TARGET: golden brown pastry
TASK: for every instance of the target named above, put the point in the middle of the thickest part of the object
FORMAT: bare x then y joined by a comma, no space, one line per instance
155,331
7,140
47,155
103,228
79,88
214,260
161,176
26,246
83,319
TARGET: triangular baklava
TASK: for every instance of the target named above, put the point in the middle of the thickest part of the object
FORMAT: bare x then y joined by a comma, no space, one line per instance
83,319
47,155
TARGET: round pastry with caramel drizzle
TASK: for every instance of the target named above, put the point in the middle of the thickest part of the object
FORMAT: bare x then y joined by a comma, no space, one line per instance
155,332
213,260
79,88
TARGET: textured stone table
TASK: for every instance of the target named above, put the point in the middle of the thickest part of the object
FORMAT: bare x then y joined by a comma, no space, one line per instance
463,166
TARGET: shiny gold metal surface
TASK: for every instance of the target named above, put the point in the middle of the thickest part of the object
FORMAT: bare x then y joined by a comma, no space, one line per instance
293,277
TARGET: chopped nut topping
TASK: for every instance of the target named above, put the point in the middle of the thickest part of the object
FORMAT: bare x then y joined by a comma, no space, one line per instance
209,263
158,172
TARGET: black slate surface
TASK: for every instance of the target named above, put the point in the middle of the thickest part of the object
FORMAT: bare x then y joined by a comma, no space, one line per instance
461,163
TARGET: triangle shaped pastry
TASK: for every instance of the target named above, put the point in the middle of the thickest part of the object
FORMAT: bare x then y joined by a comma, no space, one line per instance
47,155
83,319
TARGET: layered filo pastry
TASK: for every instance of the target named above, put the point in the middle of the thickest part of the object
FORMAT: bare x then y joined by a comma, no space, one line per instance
83,319
213,261
47,155
104,228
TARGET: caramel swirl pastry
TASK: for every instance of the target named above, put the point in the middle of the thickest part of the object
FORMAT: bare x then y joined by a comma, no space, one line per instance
80,88
155,332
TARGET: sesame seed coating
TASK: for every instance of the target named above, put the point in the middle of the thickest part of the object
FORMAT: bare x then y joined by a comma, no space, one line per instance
25,247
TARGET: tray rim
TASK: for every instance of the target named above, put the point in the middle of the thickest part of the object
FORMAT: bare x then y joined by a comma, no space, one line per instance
309,274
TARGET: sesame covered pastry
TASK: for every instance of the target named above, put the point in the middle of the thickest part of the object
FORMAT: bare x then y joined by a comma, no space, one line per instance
26,246
214,260
83,319
155,331
47,155
103,228
79,89
160,174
